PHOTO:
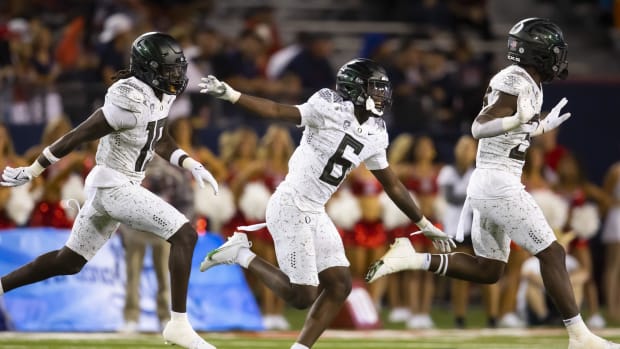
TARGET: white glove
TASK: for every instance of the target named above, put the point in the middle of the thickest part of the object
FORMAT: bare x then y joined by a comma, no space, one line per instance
441,240
526,105
553,119
201,174
219,89
12,177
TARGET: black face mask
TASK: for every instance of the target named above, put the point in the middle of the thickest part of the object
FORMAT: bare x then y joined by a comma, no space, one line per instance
381,93
561,58
174,74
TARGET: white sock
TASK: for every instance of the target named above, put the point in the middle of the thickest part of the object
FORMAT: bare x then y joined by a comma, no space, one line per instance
245,256
174,316
299,346
576,327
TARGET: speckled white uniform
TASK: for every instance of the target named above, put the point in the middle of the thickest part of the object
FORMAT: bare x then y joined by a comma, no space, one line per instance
333,143
503,210
114,193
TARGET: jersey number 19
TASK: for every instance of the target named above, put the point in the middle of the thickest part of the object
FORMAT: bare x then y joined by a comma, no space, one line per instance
155,130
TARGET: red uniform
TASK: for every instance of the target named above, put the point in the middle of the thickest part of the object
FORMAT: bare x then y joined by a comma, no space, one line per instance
365,233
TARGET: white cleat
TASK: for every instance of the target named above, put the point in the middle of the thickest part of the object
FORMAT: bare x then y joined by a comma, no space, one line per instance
227,253
400,256
591,342
182,334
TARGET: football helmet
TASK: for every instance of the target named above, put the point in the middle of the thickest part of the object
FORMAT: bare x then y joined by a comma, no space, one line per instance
539,43
158,60
366,84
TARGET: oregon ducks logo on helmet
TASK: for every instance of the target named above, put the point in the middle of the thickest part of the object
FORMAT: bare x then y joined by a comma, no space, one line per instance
539,43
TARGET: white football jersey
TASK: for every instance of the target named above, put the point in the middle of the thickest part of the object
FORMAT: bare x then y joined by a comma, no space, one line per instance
138,117
501,158
333,143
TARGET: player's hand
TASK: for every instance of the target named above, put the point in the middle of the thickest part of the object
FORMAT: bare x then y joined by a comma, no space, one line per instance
442,241
201,175
554,119
526,105
12,177
219,89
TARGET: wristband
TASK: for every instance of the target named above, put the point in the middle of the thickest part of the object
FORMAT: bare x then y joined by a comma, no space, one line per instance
49,157
35,169
43,161
177,157
234,95
423,223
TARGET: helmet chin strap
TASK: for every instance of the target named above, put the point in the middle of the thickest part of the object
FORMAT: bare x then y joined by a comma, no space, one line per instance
370,106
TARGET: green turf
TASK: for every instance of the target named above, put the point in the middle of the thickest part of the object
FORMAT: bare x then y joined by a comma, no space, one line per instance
475,337
465,341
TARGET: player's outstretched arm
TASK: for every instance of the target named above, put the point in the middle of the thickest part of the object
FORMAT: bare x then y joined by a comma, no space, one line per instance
167,148
506,113
93,128
261,106
401,197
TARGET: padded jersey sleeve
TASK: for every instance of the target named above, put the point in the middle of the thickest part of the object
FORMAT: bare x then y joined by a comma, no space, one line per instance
123,104
318,107
377,161
510,81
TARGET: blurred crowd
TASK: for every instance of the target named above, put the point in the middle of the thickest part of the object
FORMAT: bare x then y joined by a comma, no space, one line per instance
56,63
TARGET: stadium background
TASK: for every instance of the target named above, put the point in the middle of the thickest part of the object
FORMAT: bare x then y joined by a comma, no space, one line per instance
53,59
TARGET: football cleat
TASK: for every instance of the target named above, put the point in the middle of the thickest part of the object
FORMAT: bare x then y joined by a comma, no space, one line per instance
227,253
591,342
400,256
182,334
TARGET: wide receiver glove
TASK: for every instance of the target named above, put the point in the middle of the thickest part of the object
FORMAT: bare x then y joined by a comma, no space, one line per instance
553,119
219,89
201,175
442,242
12,177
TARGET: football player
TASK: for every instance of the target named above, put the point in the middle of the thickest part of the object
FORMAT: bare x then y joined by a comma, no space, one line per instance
342,129
503,210
131,126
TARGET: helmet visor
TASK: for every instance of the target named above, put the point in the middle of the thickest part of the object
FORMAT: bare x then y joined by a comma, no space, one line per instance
381,93
175,75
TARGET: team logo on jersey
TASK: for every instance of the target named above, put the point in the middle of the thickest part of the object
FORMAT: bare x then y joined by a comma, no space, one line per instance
346,124
152,107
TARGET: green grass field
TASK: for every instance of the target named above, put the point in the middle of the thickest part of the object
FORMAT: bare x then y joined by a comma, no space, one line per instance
394,337
381,339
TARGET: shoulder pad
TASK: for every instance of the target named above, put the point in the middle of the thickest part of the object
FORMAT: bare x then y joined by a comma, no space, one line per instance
380,123
511,81
127,95
328,95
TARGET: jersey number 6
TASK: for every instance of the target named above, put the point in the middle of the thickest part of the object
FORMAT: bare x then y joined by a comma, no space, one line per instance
337,159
